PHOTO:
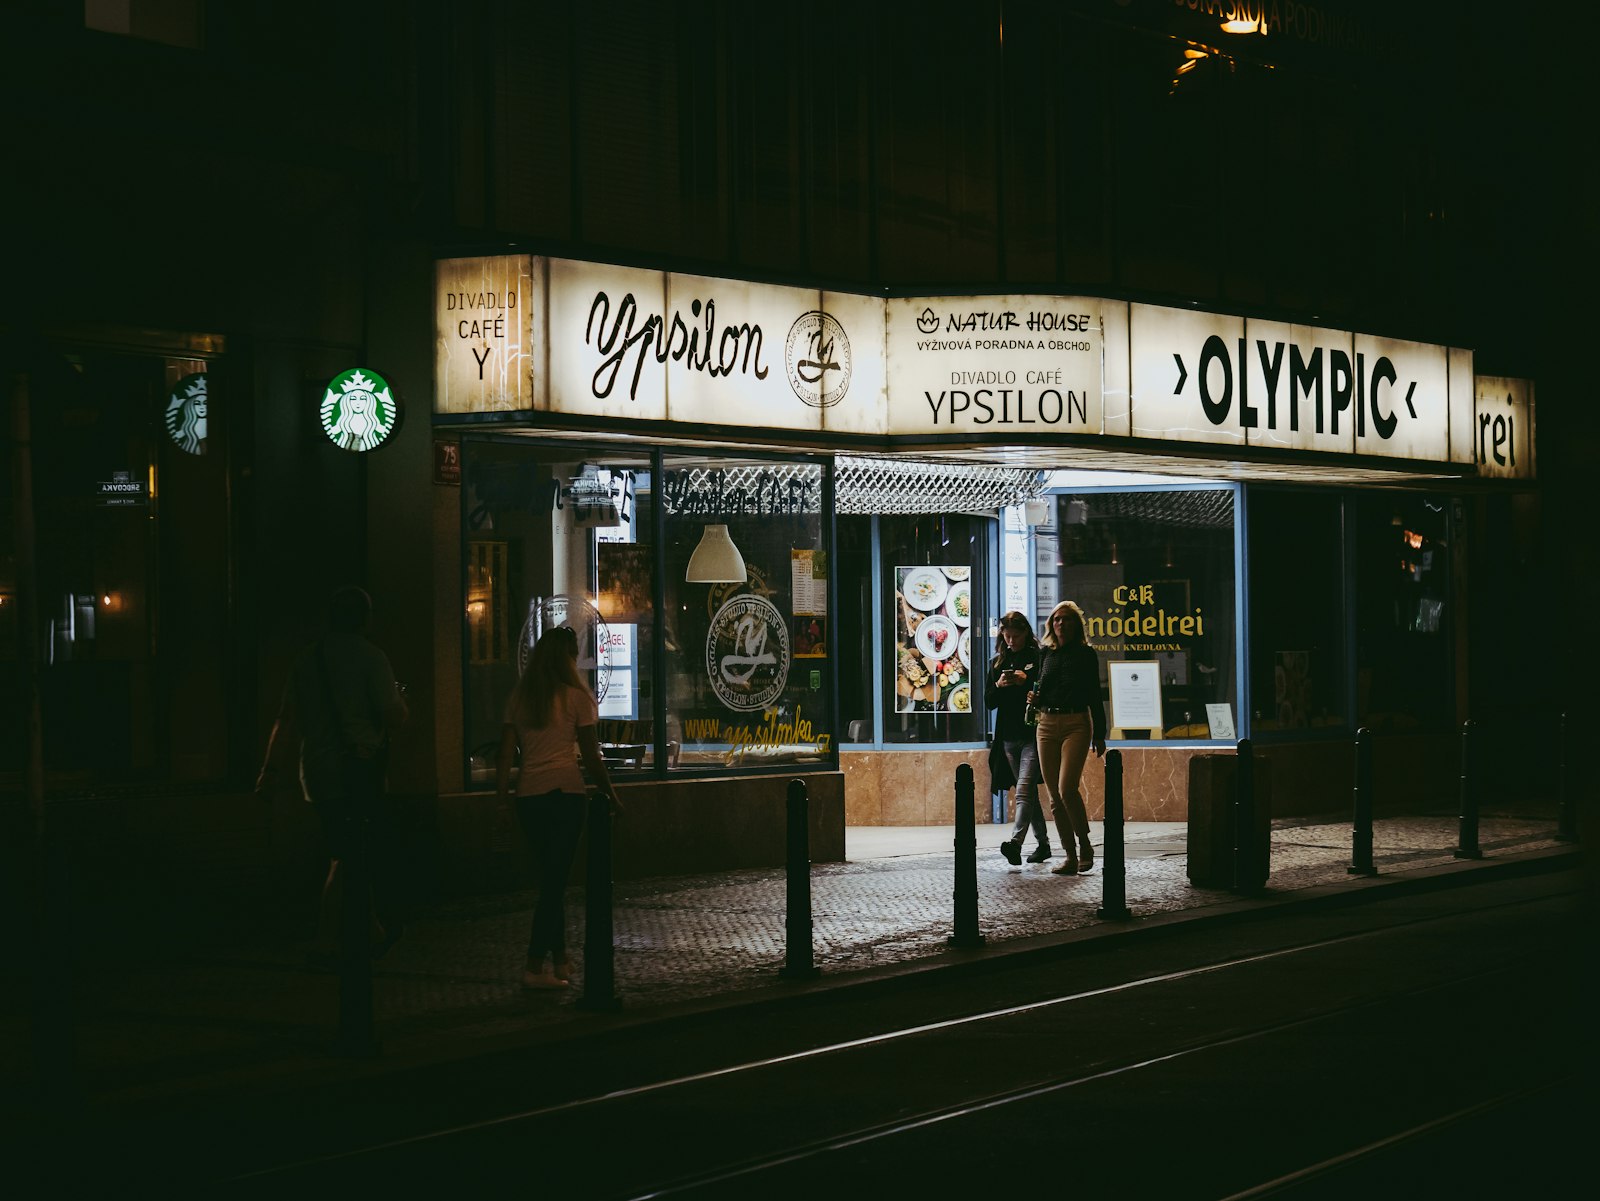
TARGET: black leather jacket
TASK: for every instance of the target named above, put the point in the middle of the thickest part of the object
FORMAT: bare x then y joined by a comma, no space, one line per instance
1069,681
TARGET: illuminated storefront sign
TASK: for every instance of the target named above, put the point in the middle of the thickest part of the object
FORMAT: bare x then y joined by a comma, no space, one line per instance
1205,377
358,411
187,407
1011,365
1503,434
526,333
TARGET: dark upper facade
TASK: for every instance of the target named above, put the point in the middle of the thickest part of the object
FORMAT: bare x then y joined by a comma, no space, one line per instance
264,187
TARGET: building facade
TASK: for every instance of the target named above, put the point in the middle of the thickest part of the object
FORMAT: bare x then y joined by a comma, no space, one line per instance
235,208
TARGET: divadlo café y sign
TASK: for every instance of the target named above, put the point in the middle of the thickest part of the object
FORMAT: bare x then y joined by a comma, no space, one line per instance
524,333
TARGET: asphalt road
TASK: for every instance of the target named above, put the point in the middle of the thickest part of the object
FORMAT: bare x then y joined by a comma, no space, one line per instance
1424,1044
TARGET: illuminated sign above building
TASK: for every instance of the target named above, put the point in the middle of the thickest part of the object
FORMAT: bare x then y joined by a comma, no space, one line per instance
1503,433
358,411
530,334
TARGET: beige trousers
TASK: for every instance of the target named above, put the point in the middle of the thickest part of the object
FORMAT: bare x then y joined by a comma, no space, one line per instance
1063,748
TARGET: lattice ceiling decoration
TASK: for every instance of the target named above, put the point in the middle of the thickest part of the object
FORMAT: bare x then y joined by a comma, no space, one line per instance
904,486
1206,508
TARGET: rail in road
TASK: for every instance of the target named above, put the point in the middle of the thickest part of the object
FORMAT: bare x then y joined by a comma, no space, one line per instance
1271,1069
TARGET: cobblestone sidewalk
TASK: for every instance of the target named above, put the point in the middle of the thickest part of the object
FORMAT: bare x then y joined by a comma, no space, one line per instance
455,977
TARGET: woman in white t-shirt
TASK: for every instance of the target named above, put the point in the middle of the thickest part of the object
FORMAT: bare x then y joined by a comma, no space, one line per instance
552,717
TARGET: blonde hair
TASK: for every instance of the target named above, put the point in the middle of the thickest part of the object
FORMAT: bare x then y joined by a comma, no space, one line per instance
1048,638
552,667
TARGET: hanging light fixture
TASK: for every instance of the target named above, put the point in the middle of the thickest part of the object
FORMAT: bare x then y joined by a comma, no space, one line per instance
716,560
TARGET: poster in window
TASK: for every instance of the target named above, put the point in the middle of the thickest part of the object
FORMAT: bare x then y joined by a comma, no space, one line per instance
810,636
624,570
1291,681
932,655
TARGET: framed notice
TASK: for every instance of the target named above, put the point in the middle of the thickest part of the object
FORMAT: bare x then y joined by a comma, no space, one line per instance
1220,719
1135,694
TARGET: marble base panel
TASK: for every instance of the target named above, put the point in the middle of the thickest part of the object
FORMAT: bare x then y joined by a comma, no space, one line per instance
909,788
917,788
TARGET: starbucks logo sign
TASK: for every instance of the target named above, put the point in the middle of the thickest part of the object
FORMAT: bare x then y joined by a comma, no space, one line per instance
747,653
186,414
359,411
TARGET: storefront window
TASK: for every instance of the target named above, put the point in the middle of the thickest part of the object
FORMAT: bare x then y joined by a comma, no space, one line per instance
1404,677
750,648
1297,640
935,587
558,536
1153,571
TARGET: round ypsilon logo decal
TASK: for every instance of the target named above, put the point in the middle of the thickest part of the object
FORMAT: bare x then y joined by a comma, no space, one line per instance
186,415
359,410
747,653
817,356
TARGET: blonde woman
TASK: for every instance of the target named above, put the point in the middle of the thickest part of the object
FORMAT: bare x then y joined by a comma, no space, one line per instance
551,715
1072,720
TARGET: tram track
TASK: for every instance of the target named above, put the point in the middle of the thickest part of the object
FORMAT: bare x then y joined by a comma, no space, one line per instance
997,1024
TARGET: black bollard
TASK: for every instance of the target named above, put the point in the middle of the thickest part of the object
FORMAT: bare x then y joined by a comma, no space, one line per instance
357,1035
1567,815
1249,873
1467,844
1114,872
966,844
599,943
1361,828
798,962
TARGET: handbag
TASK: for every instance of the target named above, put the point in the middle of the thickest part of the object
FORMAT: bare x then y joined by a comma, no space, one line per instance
1001,777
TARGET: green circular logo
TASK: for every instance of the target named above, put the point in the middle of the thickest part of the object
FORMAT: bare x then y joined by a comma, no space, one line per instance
186,414
359,411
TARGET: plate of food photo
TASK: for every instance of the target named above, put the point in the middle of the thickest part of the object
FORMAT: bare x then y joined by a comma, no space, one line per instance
924,588
965,649
961,699
957,573
958,603
937,637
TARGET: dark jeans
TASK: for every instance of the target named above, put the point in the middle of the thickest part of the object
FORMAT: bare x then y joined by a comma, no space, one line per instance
359,830
1024,759
551,822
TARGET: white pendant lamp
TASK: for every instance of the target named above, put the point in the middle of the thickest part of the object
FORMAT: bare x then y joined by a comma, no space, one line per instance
716,560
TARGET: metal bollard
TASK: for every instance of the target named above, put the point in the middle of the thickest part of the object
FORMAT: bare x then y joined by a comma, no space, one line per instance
1361,827
1467,843
599,942
1567,815
357,1035
798,962
1247,872
1114,872
966,844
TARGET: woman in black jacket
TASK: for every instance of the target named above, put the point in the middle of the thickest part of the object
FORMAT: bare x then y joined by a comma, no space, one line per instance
1012,673
1072,719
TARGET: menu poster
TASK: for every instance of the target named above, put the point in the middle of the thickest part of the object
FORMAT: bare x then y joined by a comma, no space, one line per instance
808,578
1135,695
932,646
